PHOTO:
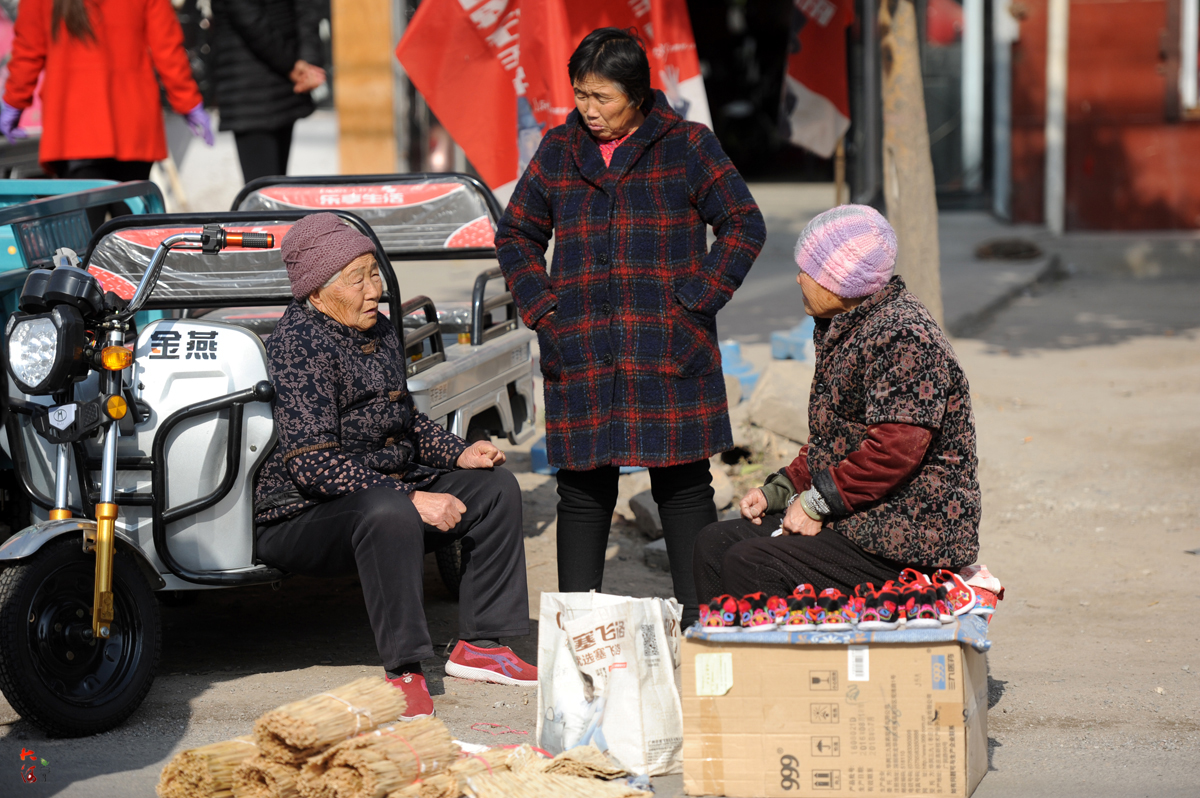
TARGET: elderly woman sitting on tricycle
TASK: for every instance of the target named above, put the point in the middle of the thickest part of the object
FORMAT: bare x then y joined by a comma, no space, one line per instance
361,480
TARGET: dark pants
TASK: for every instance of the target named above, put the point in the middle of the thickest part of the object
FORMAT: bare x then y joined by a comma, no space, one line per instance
379,533
264,152
104,169
738,557
586,500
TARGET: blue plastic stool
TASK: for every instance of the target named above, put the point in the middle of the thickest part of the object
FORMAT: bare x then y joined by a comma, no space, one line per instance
793,344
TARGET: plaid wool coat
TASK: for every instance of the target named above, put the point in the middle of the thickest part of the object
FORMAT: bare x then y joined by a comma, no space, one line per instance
629,355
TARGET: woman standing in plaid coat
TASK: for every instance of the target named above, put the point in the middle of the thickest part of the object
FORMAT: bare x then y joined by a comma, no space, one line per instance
626,316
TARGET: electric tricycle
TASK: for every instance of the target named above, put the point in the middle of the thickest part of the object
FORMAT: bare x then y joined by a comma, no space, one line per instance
138,445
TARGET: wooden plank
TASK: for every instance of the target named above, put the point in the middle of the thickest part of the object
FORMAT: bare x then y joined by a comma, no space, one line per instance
363,85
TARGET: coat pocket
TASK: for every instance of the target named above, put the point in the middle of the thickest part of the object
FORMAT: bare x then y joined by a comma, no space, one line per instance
549,356
694,349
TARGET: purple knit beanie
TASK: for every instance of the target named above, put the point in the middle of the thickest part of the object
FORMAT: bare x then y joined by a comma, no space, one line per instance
850,250
318,247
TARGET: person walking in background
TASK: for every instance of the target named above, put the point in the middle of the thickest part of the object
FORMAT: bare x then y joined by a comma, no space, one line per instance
266,62
626,318
101,112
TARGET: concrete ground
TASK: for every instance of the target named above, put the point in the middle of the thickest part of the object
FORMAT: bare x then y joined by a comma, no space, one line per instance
1084,375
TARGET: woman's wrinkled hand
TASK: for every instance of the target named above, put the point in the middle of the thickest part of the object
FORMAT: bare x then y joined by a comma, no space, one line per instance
481,454
798,522
439,510
754,506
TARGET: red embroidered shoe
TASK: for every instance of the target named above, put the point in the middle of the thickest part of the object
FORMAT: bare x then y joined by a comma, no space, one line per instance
920,606
720,614
416,694
778,608
497,665
800,609
880,610
754,613
960,595
837,611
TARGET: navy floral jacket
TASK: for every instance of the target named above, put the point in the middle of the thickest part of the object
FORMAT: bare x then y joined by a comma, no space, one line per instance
344,416
887,362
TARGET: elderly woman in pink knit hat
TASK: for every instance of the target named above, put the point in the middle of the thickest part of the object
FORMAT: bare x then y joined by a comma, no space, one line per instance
361,481
887,480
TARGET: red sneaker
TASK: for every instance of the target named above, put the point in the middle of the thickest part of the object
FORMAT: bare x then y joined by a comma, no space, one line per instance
496,665
416,694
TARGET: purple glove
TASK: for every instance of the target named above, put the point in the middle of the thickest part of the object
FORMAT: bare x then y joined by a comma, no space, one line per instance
9,117
198,121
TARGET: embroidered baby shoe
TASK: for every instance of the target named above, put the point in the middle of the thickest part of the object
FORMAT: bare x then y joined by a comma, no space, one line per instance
837,611
960,595
920,607
778,609
720,614
880,610
800,609
753,610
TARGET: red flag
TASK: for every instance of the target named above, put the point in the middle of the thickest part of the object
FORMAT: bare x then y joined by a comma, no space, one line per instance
494,72
816,97
666,30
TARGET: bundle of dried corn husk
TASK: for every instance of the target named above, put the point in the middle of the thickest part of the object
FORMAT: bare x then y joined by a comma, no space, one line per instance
205,772
450,782
585,761
291,734
385,760
261,778
546,785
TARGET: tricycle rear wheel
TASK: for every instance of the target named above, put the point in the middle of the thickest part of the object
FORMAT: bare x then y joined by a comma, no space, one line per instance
51,671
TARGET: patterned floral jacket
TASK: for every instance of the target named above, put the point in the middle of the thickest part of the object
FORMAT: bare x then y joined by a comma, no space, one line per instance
629,355
345,418
887,362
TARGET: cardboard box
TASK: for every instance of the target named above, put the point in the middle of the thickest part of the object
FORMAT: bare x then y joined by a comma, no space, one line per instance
822,721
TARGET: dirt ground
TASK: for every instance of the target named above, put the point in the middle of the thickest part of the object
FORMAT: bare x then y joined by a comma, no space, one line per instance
1088,460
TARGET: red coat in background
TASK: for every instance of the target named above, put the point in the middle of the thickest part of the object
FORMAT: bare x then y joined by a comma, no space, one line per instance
100,98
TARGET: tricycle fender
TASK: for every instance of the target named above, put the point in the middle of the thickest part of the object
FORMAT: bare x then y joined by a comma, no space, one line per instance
29,540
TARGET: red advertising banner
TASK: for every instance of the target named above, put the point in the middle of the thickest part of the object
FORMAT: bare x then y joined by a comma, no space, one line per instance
816,95
494,72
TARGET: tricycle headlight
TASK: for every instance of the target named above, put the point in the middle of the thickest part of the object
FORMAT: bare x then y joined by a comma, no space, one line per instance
46,350
31,350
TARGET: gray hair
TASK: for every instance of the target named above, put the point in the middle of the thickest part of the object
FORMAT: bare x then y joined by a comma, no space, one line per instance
337,276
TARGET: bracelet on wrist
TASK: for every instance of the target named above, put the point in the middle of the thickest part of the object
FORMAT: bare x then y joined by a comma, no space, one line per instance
807,506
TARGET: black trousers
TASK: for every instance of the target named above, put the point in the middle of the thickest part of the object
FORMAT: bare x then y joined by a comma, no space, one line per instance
586,500
738,557
379,533
104,169
263,152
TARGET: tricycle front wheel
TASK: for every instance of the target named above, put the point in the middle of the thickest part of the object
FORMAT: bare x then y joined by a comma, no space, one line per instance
52,671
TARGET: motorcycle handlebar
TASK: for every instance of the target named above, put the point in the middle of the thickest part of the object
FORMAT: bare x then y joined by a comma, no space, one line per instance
249,240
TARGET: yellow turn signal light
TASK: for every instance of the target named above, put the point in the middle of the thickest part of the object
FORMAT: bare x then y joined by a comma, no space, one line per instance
116,358
116,407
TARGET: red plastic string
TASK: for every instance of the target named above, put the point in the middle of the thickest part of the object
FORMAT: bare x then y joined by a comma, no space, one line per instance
541,751
507,729
416,756
485,763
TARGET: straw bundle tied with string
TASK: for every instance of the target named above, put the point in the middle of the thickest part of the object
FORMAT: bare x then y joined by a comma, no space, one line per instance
450,782
546,785
204,772
259,777
524,759
379,762
294,732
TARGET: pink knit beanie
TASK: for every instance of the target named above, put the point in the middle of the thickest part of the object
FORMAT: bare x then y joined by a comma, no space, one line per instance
318,247
850,250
